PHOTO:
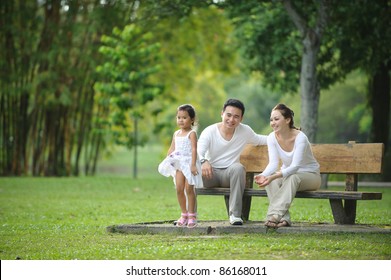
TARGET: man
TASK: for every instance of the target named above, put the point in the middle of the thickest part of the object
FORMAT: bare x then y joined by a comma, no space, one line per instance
219,148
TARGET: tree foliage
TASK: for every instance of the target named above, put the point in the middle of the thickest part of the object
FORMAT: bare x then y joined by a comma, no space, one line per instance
55,119
197,56
50,49
364,41
282,40
124,85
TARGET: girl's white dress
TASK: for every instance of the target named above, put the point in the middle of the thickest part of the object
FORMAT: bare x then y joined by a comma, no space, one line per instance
180,159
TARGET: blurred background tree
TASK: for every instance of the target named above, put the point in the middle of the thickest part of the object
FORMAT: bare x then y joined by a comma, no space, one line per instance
57,103
124,86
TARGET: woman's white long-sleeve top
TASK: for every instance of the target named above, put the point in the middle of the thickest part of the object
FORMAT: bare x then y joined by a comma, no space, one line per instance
300,159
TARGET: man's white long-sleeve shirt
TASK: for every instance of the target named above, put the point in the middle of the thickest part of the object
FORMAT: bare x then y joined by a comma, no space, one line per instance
222,153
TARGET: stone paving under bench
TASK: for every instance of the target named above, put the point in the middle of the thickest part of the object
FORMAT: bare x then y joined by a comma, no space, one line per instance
224,227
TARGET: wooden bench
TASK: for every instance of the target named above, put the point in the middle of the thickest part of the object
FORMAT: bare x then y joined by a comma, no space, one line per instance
351,159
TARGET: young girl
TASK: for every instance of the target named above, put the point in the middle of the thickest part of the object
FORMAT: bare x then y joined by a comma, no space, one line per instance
182,164
299,170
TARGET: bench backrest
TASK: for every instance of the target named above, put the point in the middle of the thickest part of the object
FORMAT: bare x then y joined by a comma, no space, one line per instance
362,158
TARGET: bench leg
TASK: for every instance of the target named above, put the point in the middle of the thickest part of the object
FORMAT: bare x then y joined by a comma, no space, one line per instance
246,201
344,214
226,198
246,206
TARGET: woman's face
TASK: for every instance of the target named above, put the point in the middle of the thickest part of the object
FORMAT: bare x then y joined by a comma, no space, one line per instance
278,121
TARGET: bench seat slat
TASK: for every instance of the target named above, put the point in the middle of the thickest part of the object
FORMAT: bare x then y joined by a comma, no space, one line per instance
322,194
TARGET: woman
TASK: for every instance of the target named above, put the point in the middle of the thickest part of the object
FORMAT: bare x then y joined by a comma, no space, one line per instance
299,170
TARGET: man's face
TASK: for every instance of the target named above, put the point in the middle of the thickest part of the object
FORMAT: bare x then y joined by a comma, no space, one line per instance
231,117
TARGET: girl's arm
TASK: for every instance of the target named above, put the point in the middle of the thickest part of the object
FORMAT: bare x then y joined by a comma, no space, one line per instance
172,146
193,140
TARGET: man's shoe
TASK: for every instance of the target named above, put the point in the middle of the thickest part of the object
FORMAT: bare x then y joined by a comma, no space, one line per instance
236,221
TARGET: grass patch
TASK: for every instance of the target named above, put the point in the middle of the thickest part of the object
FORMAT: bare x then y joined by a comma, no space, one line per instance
66,218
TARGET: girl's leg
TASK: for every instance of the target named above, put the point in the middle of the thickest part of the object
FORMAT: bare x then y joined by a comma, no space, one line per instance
191,198
181,196
192,206
180,190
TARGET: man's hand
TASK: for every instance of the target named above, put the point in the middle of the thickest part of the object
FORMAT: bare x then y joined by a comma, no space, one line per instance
207,170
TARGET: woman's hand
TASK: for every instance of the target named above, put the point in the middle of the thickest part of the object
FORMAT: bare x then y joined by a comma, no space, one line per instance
261,180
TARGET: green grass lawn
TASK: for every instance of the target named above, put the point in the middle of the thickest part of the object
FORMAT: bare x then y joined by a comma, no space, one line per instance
66,218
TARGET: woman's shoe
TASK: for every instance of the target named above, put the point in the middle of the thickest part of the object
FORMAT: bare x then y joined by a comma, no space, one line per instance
283,223
272,221
271,224
192,220
182,221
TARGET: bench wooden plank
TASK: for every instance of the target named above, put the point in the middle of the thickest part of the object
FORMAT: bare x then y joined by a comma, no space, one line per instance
365,158
320,194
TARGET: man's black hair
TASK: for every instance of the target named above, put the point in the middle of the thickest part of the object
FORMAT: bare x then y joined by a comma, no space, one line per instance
234,103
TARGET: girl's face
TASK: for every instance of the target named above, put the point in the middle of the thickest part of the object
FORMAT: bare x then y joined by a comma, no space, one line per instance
183,120
277,121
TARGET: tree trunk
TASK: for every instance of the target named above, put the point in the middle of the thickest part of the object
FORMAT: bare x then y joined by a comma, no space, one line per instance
379,100
309,86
